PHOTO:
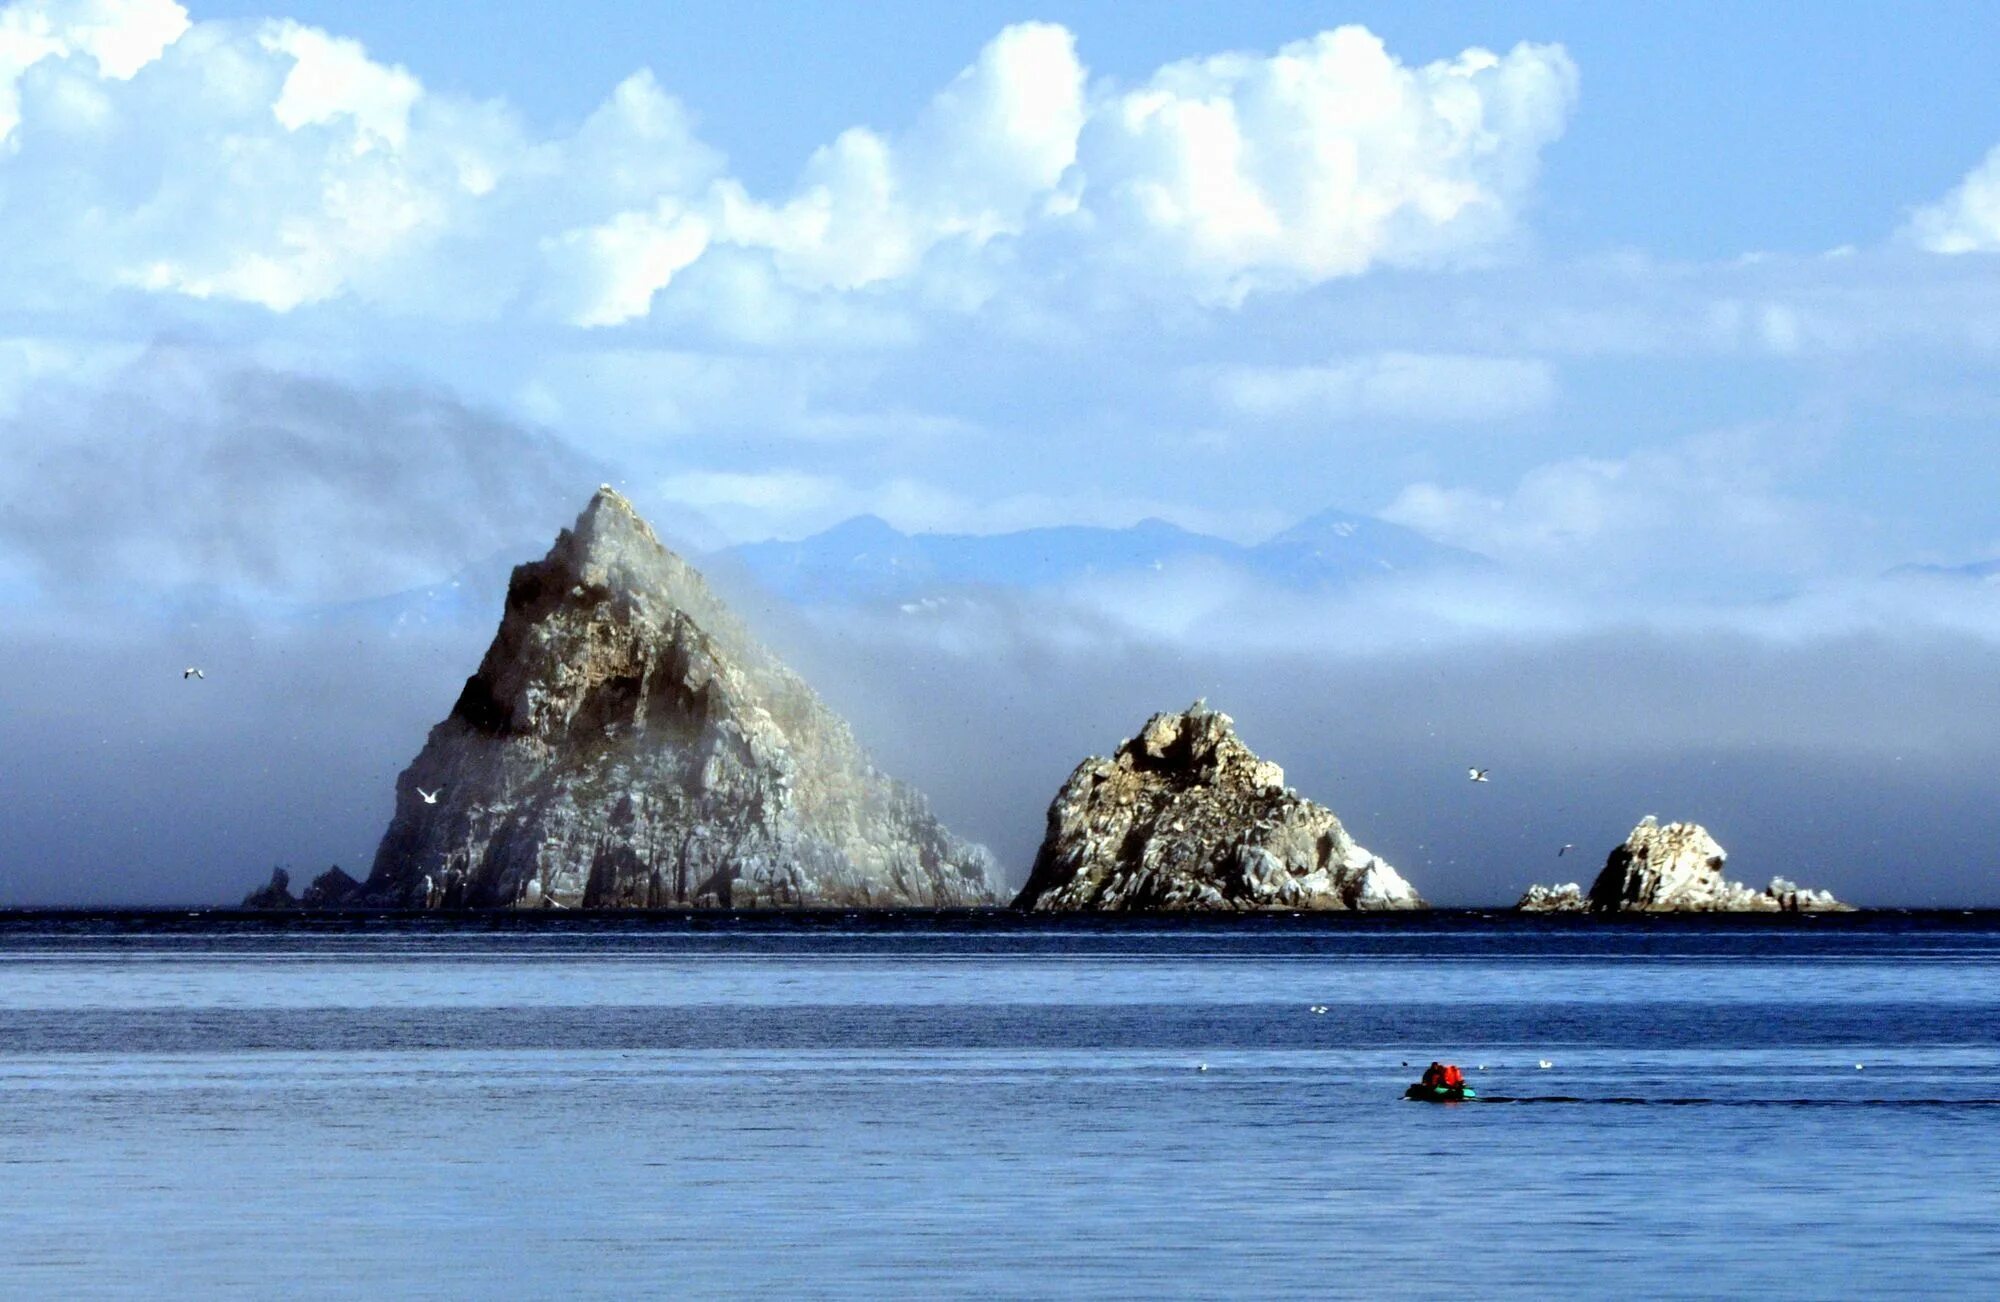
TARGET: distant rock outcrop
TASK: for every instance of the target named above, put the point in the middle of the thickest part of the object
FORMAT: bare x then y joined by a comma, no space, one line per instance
274,894
627,744
332,889
1674,868
1184,816
1566,898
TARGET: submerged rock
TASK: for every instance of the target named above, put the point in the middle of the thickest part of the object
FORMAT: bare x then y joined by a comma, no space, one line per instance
627,744
1675,868
1184,816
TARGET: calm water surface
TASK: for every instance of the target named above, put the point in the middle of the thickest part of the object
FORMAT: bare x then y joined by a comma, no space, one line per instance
835,1109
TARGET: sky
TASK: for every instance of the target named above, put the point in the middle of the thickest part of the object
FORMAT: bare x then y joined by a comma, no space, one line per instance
1689,320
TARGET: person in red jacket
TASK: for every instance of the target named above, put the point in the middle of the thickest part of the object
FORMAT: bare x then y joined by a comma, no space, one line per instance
1443,1076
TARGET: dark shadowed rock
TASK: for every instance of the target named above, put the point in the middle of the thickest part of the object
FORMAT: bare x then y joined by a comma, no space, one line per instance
332,889
1184,816
274,894
627,744
1675,868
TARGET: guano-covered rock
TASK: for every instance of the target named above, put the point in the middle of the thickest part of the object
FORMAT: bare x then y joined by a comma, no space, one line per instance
1566,898
627,743
1675,868
1184,816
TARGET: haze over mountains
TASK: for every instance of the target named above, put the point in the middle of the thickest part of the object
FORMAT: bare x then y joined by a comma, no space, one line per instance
865,558
867,561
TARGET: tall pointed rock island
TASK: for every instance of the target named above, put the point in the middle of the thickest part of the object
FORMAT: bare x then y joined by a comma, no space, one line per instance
627,744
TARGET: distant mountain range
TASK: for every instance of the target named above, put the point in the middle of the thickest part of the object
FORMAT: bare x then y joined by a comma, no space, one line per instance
867,559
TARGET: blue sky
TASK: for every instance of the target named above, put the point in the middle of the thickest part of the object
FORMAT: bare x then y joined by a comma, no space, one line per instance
1689,320
959,265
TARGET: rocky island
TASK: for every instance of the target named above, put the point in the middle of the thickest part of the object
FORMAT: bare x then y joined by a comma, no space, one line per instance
1185,816
626,743
1673,868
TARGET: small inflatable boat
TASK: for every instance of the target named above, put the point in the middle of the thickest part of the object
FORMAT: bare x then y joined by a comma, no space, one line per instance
1440,1093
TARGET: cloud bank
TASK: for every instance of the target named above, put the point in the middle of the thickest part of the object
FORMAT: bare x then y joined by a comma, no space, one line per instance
279,165
185,472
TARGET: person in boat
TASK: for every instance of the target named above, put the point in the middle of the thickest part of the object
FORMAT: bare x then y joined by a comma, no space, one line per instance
1443,1076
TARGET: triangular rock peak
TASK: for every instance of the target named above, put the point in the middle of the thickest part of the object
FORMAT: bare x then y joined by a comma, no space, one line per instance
627,743
1184,816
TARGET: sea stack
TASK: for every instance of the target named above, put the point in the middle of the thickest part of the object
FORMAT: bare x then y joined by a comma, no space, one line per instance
1184,816
1674,868
627,744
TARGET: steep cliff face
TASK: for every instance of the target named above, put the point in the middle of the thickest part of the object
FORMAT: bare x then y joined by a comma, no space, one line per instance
627,743
1674,868
1184,816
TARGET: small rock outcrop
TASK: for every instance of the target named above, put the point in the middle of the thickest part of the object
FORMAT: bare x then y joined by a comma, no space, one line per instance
332,889
627,744
1675,868
1184,816
274,894
1566,898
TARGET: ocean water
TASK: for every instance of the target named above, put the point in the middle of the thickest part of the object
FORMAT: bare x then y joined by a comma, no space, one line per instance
973,1107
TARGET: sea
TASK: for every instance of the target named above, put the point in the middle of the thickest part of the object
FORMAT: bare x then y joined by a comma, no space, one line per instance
996,1106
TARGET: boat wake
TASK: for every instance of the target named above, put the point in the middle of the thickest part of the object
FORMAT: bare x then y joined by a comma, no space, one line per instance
1736,1103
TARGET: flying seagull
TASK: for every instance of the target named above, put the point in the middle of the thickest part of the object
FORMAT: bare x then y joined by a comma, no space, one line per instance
1477,775
430,797
191,672
1567,847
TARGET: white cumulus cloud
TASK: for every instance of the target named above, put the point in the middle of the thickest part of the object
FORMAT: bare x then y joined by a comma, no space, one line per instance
1967,220
1243,172
118,36
277,164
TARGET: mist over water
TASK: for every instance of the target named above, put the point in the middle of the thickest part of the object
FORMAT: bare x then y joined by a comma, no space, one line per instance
1857,766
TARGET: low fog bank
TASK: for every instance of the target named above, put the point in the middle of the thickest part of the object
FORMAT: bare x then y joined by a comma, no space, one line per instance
198,477
131,786
1859,761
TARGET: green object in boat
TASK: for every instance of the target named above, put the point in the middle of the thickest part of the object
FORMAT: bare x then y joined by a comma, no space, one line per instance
1440,1093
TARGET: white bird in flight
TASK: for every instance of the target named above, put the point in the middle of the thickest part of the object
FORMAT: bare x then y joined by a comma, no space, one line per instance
1477,775
430,797
1567,847
191,672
